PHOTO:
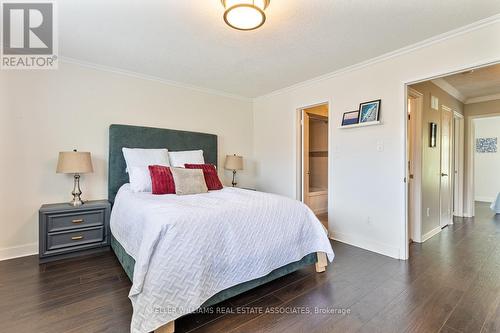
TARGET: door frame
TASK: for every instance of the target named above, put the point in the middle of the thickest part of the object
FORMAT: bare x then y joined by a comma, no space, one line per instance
458,163
451,158
404,243
416,168
299,156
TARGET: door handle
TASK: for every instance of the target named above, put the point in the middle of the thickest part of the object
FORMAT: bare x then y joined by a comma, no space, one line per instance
444,175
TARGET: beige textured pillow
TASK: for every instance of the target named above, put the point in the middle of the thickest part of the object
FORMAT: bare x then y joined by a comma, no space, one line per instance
189,181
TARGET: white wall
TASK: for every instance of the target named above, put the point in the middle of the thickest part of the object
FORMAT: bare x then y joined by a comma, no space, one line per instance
367,192
44,112
487,165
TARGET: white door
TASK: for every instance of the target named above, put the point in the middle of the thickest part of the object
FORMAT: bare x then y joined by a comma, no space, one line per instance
446,164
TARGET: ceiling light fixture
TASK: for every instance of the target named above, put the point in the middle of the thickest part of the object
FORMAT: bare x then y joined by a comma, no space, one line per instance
245,14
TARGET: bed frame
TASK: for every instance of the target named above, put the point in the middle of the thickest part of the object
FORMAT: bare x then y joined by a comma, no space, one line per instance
146,137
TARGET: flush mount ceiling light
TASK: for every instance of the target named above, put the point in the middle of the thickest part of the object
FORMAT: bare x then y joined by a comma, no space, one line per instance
245,14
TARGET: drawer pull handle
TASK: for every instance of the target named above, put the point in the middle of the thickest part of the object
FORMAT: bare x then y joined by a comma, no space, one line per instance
76,237
77,221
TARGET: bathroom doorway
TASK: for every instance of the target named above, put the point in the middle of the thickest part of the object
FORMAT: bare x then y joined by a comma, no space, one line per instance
314,175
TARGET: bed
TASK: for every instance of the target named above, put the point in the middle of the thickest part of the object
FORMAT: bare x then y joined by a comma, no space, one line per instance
158,266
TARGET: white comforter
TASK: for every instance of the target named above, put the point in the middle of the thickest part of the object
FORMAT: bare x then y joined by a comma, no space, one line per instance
188,248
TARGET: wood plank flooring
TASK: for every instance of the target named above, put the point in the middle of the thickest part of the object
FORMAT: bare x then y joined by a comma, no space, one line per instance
450,284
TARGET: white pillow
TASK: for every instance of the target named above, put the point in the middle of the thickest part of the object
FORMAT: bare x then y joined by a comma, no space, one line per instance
179,158
138,160
145,157
140,179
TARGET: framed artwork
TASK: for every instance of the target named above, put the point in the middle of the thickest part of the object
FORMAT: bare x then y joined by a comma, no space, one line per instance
486,145
350,118
369,111
433,135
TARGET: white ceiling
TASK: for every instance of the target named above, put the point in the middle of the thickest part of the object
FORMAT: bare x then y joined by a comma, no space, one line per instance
187,41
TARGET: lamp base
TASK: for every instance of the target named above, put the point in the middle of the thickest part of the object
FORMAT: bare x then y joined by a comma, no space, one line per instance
234,180
77,193
76,203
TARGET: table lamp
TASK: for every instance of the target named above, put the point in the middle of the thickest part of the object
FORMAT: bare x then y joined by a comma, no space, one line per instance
234,163
76,163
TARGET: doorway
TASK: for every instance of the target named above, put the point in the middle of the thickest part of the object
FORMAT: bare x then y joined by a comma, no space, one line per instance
458,164
314,134
446,194
486,158
431,165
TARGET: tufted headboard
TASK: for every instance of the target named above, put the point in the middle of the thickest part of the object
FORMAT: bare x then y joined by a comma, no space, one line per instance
147,137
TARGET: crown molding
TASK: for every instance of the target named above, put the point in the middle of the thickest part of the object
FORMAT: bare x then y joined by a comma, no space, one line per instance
447,87
480,99
136,75
407,49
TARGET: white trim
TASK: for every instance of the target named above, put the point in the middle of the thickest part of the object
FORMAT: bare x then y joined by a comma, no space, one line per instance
18,251
136,75
431,233
485,199
443,84
425,43
482,99
367,244
417,168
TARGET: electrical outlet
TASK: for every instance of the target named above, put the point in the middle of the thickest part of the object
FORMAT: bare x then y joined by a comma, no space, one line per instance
369,220
428,212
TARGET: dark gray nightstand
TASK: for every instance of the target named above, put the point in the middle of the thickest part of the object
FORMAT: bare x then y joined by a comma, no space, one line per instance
66,231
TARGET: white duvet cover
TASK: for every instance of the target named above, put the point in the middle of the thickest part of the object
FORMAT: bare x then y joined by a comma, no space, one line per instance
188,248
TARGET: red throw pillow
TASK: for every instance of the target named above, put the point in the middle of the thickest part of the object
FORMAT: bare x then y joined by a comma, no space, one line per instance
210,174
162,179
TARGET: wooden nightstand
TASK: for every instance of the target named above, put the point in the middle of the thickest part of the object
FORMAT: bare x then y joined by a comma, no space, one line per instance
66,231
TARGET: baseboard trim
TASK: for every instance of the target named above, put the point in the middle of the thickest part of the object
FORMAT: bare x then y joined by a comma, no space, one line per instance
485,199
18,251
431,233
366,244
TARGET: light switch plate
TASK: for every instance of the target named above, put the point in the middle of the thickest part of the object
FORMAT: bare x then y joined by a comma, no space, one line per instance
380,146
434,102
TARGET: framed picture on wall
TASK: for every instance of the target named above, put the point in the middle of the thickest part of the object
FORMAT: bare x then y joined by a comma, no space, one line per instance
369,111
350,118
433,135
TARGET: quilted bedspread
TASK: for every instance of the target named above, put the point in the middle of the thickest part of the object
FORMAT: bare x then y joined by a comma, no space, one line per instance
189,248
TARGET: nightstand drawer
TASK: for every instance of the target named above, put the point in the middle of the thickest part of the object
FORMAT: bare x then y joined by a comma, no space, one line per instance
68,221
74,238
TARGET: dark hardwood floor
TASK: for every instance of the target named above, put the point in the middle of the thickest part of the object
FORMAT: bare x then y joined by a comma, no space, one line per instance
450,284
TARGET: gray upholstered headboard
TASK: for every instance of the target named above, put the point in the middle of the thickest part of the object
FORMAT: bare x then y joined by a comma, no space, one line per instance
146,137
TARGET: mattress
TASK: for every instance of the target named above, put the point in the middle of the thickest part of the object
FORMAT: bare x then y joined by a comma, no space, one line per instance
189,249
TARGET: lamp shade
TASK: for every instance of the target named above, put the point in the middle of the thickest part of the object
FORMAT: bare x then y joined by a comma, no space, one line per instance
234,162
74,162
